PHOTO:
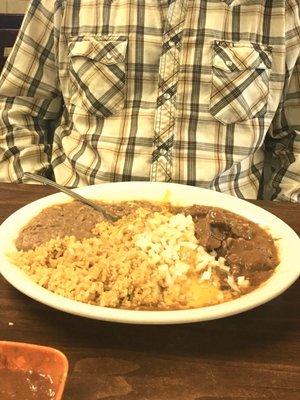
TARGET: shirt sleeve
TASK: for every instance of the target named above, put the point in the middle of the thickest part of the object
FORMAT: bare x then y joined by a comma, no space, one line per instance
30,97
283,142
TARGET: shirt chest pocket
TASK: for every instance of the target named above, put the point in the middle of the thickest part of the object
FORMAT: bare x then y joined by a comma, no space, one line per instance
97,74
240,81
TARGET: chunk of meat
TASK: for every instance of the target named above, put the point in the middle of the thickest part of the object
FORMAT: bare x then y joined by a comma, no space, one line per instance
246,247
253,255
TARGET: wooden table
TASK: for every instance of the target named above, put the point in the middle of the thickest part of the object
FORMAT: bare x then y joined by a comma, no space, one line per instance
255,355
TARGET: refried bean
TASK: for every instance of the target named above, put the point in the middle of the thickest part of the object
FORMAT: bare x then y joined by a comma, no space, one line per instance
70,219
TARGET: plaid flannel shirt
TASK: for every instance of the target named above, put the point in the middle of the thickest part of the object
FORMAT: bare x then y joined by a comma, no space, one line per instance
200,92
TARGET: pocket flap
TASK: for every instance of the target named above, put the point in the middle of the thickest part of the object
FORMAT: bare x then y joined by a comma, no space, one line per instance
230,57
105,49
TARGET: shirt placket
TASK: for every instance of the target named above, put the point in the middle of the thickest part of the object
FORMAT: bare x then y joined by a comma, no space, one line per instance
165,116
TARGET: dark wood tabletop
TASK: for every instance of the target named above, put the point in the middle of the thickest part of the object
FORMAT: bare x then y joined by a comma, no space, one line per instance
254,355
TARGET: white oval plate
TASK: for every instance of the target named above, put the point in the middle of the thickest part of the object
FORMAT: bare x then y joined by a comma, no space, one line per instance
286,273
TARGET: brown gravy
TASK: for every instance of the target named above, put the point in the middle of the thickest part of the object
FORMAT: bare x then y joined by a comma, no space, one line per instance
248,249
25,385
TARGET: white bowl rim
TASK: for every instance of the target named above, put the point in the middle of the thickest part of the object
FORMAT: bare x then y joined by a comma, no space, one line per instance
284,276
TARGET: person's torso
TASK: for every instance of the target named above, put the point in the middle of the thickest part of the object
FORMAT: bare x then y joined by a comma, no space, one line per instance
181,92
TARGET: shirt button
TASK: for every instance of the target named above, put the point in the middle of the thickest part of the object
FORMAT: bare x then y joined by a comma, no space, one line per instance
163,152
109,56
229,63
171,43
167,96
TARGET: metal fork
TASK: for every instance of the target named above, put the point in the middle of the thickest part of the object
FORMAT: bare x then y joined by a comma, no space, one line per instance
107,215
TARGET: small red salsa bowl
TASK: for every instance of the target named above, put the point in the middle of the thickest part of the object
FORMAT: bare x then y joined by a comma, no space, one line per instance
40,359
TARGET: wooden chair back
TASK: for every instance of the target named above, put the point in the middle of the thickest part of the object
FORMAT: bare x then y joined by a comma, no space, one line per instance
9,29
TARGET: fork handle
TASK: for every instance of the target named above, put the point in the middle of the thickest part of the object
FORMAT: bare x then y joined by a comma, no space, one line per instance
70,193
